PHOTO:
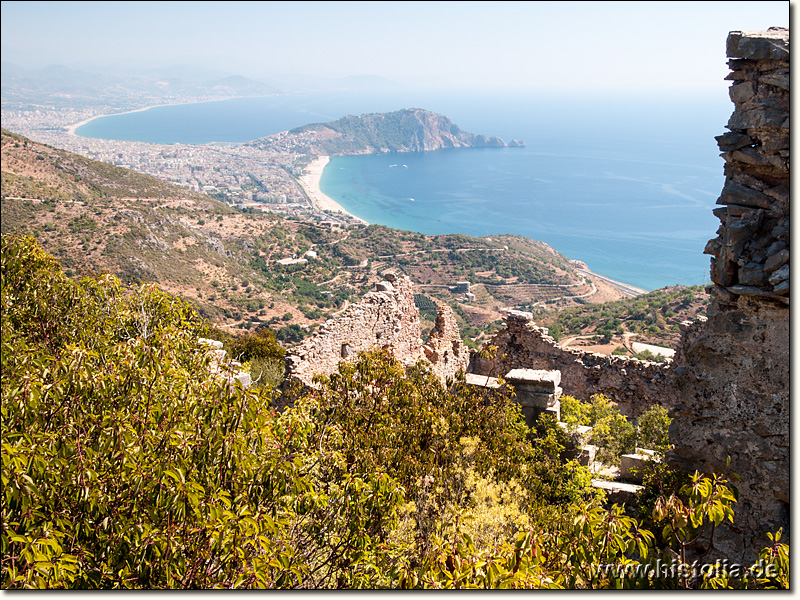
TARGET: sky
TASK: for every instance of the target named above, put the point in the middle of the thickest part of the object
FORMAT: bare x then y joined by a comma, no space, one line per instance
601,46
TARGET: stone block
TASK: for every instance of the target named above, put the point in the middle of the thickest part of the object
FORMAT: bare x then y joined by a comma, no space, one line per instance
586,455
780,275
244,379
772,44
618,492
554,409
632,461
482,381
752,274
534,380
210,343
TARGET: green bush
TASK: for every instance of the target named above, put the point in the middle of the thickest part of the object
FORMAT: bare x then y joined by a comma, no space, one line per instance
654,429
126,463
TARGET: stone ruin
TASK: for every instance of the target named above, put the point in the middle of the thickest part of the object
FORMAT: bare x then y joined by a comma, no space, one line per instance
385,318
223,367
728,384
731,374
536,392
633,384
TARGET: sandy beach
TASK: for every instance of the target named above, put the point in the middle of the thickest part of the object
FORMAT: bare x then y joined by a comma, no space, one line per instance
309,181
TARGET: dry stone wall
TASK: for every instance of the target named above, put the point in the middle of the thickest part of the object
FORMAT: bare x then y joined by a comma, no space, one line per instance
732,372
385,318
634,384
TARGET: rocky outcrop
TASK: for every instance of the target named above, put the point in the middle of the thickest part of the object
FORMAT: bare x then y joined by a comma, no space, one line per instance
407,130
385,318
633,384
732,372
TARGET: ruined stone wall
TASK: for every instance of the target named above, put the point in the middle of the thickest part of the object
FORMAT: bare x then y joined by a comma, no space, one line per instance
634,384
385,318
751,250
732,372
445,350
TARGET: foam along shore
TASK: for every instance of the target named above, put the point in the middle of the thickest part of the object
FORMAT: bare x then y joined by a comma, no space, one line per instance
309,181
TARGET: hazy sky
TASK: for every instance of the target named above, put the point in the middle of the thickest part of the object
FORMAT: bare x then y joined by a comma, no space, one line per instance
522,45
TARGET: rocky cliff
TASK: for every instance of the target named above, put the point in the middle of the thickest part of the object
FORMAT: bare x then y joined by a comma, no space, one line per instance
407,130
731,374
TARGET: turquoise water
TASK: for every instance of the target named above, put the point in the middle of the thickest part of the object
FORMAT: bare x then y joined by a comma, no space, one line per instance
625,185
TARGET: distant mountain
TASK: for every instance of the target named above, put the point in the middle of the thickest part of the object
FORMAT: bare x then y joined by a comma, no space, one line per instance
63,86
407,130
236,85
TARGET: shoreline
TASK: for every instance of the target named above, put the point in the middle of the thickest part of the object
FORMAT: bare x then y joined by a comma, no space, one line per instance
72,128
625,288
309,182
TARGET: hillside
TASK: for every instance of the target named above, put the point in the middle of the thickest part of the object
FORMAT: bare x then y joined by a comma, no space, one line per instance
244,269
132,459
652,319
408,130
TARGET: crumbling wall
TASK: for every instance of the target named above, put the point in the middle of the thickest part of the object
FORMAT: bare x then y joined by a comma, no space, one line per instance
732,372
445,350
634,384
385,318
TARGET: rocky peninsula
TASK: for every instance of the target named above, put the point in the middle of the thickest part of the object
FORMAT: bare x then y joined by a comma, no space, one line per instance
407,130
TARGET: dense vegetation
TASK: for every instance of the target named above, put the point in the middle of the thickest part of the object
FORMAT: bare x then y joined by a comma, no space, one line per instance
128,463
655,316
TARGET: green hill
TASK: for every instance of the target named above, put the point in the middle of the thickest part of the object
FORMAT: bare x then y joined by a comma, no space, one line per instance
407,130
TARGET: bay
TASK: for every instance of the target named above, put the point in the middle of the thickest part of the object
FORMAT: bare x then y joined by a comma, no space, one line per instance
625,184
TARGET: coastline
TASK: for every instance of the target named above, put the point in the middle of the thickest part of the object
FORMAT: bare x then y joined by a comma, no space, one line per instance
625,288
73,128
309,181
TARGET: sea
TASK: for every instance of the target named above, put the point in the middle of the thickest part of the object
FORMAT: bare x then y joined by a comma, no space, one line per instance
625,183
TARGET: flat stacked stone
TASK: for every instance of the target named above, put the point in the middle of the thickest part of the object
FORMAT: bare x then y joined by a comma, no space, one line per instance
537,391
751,251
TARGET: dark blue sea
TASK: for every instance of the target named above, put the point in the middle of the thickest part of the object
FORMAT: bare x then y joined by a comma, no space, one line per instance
625,184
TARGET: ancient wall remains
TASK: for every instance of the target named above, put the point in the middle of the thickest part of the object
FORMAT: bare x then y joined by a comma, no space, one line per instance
634,384
385,318
445,350
732,372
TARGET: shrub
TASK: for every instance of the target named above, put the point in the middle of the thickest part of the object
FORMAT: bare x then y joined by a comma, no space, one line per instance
654,429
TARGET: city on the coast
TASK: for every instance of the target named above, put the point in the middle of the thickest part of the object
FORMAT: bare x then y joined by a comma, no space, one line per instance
267,177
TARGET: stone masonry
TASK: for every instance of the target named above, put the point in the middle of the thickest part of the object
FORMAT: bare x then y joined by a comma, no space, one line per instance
385,318
751,250
536,392
445,350
634,384
732,372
